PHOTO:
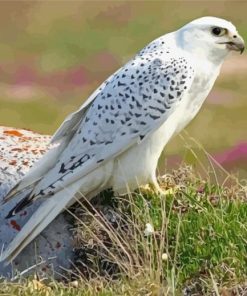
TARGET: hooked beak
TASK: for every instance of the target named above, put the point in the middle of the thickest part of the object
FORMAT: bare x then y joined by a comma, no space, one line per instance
236,44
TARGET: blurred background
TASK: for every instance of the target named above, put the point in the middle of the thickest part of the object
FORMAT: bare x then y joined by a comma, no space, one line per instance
53,54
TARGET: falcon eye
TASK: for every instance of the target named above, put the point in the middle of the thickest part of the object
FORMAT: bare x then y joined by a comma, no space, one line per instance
217,31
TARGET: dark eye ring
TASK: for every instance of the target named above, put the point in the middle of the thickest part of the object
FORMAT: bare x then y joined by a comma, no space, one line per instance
217,31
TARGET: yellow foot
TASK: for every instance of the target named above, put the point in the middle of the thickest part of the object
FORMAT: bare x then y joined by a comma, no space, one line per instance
155,188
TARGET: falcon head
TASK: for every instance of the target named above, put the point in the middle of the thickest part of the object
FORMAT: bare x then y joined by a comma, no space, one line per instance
210,37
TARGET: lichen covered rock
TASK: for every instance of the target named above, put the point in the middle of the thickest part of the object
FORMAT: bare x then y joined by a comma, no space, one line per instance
53,248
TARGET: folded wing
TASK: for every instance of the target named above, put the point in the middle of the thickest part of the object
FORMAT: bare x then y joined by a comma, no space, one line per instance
131,105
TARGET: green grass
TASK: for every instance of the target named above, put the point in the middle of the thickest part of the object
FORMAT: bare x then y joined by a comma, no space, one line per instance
201,228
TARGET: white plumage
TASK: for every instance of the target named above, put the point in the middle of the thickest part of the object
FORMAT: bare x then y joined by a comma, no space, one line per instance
115,139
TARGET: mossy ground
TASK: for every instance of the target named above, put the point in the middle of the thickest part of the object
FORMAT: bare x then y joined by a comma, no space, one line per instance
198,246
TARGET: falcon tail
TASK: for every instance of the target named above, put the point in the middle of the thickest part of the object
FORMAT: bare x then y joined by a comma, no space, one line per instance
46,213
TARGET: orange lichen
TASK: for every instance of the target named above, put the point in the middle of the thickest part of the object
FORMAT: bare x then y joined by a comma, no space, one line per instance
12,162
17,149
13,133
15,225
25,139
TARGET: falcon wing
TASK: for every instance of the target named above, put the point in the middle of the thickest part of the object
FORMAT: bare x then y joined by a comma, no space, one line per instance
72,121
133,103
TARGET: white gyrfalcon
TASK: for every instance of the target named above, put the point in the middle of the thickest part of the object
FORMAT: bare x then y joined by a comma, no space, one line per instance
115,139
